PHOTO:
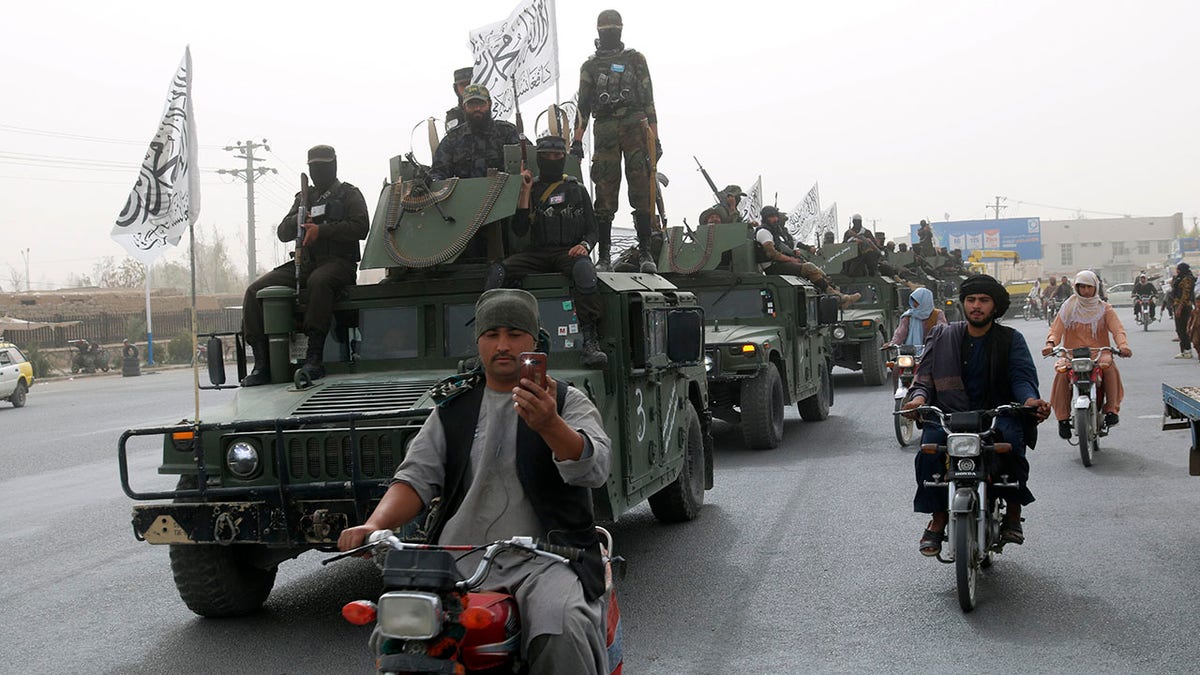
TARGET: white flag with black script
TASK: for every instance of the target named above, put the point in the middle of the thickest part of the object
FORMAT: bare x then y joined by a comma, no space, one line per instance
750,206
805,218
166,198
522,49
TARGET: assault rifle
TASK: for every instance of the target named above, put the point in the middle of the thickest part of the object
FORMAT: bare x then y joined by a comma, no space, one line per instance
303,217
711,185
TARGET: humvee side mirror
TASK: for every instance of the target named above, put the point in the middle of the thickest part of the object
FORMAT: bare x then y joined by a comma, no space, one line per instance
685,336
827,310
216,361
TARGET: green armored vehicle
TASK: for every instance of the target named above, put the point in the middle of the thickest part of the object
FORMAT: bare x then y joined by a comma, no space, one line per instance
282,469
868,324
766,336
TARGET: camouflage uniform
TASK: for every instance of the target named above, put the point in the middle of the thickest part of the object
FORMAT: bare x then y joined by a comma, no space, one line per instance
467,153
615,88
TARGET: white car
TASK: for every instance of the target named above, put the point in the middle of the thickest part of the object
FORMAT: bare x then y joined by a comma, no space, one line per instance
1121,295
16,375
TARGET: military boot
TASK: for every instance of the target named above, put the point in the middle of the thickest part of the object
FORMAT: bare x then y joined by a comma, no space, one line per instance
645,232
592,357
604,259
646,264
314,358
627,261
261,374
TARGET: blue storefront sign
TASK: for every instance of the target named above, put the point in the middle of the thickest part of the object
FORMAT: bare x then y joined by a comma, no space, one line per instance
1023,235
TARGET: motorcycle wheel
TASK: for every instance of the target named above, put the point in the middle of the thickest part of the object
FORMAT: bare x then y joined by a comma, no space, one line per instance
905,428
1083,429
966,564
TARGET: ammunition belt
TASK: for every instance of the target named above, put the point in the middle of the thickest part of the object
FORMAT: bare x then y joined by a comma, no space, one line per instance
708,247
494,190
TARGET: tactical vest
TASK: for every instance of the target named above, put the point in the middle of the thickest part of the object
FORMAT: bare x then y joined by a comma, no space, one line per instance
783,243
559,217
617,84
565,511
335,209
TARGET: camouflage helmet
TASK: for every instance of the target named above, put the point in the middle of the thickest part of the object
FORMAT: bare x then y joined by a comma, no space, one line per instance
609,18
551,144
733,191
477,92
706,214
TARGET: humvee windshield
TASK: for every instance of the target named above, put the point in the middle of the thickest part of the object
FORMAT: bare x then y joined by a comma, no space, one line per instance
739,303
387,333
557,315
870,295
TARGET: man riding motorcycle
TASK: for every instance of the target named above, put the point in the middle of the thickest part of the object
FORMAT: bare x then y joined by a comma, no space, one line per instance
969,365
508,457
1087,321
1145,289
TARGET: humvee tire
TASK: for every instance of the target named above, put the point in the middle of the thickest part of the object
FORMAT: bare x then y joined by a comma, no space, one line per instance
680,501
217,581
762,409
874,368
816,407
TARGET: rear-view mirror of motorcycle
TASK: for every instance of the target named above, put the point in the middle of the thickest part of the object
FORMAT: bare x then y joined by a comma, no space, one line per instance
685,336
216,361
827,310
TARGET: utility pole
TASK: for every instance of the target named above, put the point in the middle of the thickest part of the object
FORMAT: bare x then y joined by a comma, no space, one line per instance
25,255
998,206
249,174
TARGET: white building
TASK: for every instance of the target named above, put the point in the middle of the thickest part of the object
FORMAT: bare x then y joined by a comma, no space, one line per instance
1115,248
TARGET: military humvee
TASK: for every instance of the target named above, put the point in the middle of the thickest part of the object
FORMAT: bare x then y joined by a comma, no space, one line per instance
282,470
869,323
766,336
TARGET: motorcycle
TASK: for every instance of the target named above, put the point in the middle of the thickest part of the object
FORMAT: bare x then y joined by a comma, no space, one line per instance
1141,310
1087,378
1052,306
1032,308
432,620
903,362
975,513
88,357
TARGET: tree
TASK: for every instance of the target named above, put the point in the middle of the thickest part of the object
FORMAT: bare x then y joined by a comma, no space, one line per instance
215,272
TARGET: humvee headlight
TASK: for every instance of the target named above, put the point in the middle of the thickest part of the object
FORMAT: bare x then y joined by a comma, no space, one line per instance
749,349
708,363
242,459
904,361
409,615
839,333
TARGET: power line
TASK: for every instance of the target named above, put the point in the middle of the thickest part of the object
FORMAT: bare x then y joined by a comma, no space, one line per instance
80,137
1075,210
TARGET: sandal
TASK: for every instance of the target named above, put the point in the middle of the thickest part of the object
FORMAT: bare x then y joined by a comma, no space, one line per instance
931,542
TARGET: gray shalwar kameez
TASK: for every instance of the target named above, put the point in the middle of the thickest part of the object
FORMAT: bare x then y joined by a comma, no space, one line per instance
549,594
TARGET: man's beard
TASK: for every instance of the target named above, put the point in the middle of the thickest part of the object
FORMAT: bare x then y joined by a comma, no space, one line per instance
980,323
478,120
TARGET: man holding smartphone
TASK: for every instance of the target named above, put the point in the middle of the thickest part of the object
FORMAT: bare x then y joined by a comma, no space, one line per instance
504,457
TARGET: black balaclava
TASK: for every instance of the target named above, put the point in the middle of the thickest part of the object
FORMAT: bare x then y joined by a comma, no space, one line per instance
608,27
324,175
551,169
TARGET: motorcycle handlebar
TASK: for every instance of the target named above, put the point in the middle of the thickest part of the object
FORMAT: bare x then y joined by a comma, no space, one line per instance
1063,351
571,553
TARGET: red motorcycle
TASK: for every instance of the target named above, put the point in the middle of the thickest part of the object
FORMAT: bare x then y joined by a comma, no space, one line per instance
431,620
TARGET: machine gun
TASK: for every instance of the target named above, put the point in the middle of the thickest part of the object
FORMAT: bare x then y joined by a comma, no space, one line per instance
422,180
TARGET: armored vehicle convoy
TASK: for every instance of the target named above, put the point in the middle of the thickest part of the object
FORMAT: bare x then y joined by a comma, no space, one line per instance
867,324
283,468
766,336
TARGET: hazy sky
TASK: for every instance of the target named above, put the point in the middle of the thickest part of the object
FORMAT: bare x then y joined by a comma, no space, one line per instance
901,110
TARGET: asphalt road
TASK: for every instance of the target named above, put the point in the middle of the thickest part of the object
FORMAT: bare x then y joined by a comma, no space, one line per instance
804,559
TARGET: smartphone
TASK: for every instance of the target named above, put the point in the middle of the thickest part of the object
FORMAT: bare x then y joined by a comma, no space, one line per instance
533,367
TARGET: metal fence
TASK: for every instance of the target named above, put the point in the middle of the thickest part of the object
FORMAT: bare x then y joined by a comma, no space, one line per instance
113,327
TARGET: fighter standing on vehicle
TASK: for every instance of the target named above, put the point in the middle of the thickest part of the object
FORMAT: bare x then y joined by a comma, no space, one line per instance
558,211
328,256
508,457
456,116
615,88
971,365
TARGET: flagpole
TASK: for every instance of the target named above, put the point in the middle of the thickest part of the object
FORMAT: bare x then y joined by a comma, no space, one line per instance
149,322
195,338
557,70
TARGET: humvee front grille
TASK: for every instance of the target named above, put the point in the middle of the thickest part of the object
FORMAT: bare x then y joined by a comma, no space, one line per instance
310,459
364,397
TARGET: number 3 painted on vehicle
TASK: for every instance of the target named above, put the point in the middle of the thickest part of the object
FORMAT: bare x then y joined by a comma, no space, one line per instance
641,413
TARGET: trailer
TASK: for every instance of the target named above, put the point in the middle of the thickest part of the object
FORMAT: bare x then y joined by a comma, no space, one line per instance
1182,411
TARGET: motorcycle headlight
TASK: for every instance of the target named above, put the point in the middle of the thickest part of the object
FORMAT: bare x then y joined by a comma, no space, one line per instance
1081,365
409,615
962,445
242,459
966,465
905,361
839,333
708,363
